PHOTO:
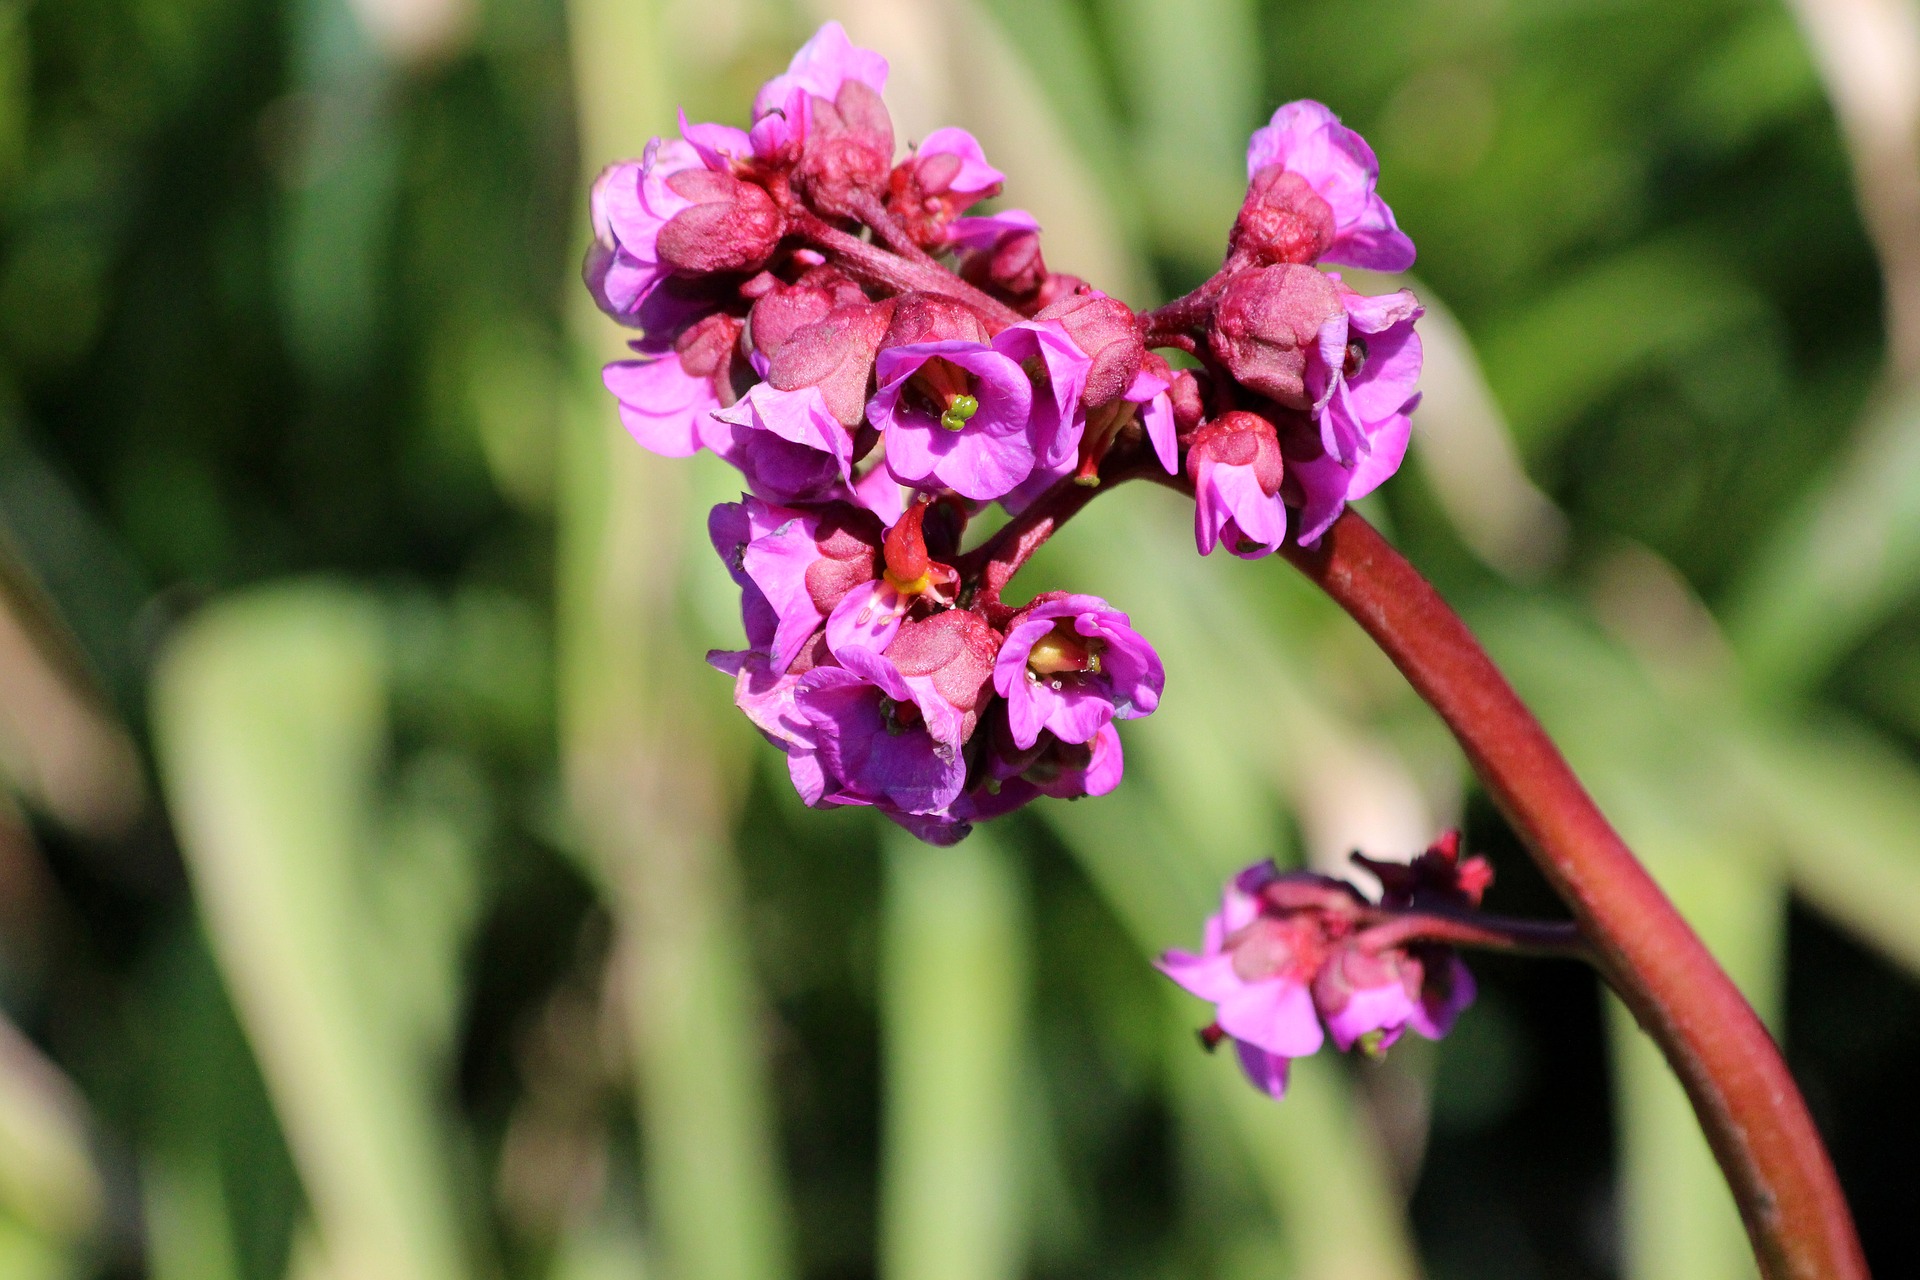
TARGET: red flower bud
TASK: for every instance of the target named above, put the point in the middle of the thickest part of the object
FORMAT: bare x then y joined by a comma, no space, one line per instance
1283,219
956,649
732,226
931,317
1013,268
849,151
1189,401
836,355
1109,332
1238,439
1266,324
785,308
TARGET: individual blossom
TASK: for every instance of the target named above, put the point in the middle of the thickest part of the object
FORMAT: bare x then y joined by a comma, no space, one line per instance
787,445
869,613
1235,465
1256,969
793,567
1270,325
945,176
1363,378
835,354
1339,217
954,414
819,69
631,203
1108,331
889,727
1368,996
666,401
726,225
1070,666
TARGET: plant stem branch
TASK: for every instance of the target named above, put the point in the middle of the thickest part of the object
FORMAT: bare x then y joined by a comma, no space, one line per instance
877,266
1753,1115
1481,932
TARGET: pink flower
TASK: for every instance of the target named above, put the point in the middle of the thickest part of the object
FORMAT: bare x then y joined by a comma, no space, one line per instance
631,202
818,70
1058,369
1236,469
954,414
663,406
947,175
1070,666
792,567
787,445
1307,139
1255,969
1363,378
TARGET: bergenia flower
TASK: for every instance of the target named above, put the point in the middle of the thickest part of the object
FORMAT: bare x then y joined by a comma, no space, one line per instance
1236,469
944,177
955,415
868,616
630,203
1070,666
1306,139
787,445
1256,970
793,567
1363,378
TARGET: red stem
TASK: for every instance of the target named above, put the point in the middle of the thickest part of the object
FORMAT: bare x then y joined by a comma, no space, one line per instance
877,266
1746,1100
1481,932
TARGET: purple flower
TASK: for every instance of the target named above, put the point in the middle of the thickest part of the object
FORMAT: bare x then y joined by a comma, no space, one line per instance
1058,369
1150,389
787,445
1370,998
889,727
631,202
769,700
663,406
982,233
1255,969
956,415
1236,469
792,567
1307,139
1070,666
1362,377
1062,770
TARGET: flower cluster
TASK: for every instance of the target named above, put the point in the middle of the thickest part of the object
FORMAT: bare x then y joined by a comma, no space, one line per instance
882,364
1291,959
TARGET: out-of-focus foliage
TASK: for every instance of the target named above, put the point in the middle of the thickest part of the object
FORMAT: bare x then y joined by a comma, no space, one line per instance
386,891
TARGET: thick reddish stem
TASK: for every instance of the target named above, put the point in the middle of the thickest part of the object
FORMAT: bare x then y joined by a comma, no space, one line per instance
1747,1102
877,266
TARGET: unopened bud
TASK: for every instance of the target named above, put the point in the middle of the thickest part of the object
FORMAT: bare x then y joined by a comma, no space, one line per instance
1107,330
1283,219
1238,439
932,317
849,151
835,354
1266,325
732,225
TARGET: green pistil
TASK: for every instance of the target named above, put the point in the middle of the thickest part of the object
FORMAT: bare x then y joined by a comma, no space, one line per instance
1371,1044
959,412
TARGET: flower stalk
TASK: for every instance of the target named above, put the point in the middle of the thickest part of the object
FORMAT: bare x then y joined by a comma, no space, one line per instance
1754,1118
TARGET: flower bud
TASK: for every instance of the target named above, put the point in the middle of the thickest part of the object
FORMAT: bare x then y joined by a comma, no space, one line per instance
1013,267
1189,401
1109,332
1266,325
1236,469
836,355
952,653
784,308
1283,219
932,317
730,226
945,177
849,151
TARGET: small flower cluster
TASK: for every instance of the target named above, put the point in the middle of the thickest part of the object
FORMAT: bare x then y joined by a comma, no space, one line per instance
1291,959
881,365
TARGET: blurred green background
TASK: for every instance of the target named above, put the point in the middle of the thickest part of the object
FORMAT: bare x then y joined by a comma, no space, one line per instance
388,893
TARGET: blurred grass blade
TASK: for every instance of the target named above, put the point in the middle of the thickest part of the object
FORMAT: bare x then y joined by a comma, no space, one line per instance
189,1228
1191,75
1846,810
650,778
954,979
1650,763
1678,1216
48,1180
269,719
1838,565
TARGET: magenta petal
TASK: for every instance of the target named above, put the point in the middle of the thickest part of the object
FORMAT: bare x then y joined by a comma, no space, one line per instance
820,67
1385,1009
1443,1001
972,234
975,173
718,145
1108,764
867,617
1211,977
661,405
1276,1014
1267,1071
983,460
